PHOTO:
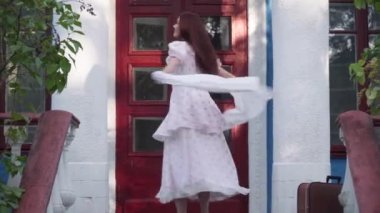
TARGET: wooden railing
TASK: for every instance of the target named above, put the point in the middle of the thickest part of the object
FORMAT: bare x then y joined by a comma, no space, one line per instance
363,160
46,178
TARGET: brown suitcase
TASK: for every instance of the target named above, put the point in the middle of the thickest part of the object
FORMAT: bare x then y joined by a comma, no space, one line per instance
318,197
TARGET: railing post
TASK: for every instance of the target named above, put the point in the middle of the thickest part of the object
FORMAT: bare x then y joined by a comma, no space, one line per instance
67,192
16,152
63,196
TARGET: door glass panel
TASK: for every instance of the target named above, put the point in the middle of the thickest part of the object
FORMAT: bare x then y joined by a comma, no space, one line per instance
341,101
342,53
343,96
219,30
373,19
150,33
143,129
144,88
342,17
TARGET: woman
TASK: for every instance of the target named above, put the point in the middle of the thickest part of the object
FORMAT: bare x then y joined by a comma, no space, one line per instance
197,163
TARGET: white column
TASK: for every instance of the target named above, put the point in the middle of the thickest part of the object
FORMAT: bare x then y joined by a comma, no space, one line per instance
301,98
257,128
87,96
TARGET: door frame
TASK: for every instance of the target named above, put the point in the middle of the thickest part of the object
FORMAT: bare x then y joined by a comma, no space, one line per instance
112,173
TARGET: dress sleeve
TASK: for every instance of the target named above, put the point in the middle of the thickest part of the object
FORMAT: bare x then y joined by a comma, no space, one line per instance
177,49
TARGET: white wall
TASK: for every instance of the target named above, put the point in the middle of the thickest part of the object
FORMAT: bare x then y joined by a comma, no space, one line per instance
257,127
86,96
301,98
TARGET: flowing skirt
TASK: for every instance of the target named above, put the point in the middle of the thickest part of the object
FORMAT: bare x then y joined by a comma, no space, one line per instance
197,162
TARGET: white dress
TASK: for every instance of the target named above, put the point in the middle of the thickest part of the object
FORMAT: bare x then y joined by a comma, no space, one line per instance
196,157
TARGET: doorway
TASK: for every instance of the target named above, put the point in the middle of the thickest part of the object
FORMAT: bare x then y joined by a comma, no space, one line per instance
143,31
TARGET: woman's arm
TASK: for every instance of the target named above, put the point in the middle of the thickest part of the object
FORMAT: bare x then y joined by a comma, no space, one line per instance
222,72
172,65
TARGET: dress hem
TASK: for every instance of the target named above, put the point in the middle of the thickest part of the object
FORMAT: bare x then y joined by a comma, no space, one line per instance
217,192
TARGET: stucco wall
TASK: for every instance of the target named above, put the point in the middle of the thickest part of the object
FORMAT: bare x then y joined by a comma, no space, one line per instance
301,98
86,96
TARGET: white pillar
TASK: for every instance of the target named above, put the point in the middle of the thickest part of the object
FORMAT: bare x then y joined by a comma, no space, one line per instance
86,96
301,98
257,128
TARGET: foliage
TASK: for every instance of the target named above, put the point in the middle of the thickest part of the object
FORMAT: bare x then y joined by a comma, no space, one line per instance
16,133
14,164
362,4
32,48
10,195
366,71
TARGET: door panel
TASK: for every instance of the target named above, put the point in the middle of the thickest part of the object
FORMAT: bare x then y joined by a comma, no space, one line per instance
144,28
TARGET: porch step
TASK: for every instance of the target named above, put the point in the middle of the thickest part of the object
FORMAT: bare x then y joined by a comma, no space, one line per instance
153,206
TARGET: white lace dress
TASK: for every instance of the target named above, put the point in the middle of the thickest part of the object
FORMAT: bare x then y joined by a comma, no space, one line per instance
196,157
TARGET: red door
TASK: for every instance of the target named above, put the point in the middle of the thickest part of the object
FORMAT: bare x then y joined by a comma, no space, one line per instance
144,28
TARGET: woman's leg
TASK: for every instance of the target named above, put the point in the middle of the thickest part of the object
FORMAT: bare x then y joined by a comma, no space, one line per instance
204,198
181,205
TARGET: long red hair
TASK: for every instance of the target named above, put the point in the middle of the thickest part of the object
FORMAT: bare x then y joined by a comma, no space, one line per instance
193,31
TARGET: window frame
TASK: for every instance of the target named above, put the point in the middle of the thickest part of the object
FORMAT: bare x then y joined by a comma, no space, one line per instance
362,41
25,148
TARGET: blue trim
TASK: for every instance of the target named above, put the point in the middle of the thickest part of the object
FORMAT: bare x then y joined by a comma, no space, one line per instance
3,173
270,104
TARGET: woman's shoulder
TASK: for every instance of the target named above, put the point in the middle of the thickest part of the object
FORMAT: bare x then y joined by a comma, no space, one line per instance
179,45
180,49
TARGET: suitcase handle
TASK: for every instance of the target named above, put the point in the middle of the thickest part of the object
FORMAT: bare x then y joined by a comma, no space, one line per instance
331,177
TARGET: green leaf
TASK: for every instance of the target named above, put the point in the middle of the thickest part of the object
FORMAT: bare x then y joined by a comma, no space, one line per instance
375,110
50,85
360,4
72,59
68,45
52,68
65,65
78,32
361,62
15,116
78,23
76,44
357,72
17,191
13,205
377,6
3,209
371,94
68,7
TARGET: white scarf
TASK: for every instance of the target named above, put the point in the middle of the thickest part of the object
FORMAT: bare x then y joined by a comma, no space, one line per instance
250,97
